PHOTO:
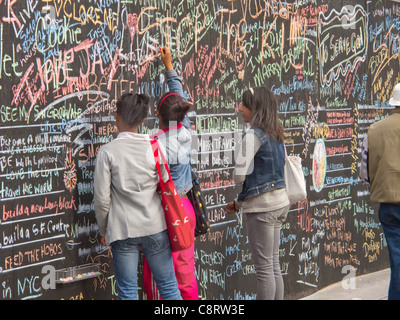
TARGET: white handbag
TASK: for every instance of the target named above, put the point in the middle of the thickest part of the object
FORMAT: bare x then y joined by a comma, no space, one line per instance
294,179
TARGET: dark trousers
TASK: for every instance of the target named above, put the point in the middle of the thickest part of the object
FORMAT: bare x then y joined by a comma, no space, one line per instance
389,216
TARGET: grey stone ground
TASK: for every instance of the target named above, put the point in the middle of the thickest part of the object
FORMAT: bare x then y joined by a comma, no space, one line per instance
373,286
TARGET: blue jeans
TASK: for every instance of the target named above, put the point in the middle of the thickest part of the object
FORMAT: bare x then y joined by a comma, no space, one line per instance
389,216
157,250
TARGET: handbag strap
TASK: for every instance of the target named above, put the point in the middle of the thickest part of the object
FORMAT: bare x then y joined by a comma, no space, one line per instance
284,147
156,152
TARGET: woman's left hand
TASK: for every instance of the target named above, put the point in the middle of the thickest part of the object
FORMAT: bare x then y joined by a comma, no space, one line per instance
103,241
231,207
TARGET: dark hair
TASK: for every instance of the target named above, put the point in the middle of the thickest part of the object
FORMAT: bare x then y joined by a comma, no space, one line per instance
172,108
262,102
133,108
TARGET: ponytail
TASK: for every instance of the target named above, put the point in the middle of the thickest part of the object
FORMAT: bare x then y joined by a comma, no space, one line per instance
172,108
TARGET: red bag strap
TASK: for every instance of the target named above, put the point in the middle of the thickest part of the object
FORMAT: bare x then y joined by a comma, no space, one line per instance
157,151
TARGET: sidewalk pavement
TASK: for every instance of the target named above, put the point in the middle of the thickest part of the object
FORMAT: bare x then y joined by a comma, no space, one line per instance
372,286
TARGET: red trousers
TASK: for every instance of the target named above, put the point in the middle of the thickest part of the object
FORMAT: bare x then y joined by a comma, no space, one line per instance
183,264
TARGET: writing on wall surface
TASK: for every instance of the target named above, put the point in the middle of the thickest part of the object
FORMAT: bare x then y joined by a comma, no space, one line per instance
332,67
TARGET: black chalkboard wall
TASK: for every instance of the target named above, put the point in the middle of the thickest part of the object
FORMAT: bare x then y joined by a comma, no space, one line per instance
332,65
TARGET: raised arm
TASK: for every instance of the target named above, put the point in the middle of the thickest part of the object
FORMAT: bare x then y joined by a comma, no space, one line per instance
173,80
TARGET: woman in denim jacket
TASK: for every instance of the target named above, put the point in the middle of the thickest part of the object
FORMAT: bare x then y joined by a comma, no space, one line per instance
176,138
260,161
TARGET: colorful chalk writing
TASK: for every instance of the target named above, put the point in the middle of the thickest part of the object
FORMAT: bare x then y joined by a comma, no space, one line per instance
63,65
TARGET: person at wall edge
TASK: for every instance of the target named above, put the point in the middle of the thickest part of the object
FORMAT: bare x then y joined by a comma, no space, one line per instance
383,166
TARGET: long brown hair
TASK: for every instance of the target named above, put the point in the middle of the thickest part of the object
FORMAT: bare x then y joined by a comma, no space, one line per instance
262,102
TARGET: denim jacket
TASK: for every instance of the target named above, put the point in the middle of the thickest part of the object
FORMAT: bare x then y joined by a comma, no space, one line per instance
177,141
268,172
